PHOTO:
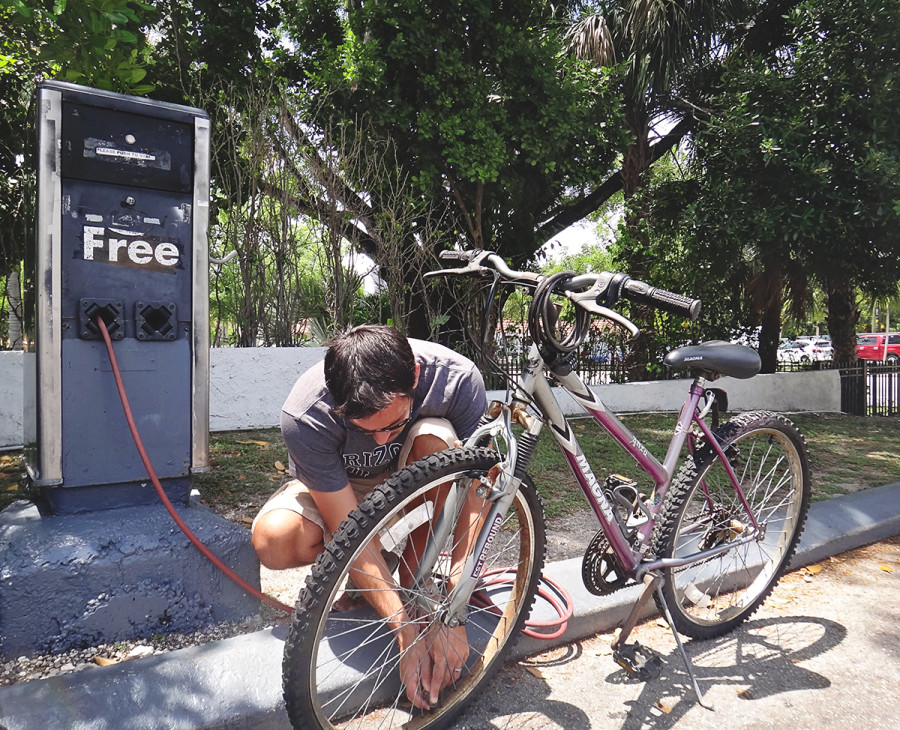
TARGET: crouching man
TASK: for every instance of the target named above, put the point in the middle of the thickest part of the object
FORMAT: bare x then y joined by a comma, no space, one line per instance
377,403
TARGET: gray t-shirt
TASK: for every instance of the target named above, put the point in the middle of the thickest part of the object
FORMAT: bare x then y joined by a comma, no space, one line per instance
325,454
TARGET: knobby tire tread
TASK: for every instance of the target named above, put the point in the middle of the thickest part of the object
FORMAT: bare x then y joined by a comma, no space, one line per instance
314,598
682,489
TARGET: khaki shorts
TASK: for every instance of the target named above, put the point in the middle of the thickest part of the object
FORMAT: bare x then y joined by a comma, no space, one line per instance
295,496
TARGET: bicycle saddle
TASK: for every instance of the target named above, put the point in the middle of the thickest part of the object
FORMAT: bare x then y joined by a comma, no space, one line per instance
716,357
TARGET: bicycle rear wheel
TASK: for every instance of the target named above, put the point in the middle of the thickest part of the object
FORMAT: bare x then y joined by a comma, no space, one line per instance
340,668
702,511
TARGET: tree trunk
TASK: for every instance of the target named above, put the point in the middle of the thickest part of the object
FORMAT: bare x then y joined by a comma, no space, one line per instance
644,349
842,319
14,316
770,335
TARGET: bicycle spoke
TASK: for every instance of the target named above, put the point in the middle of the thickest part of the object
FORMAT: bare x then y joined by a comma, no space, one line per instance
347,664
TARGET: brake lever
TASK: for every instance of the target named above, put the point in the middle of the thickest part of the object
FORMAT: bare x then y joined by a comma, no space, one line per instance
473,270
588,300
473,267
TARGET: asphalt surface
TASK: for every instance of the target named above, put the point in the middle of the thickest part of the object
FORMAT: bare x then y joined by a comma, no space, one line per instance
823,652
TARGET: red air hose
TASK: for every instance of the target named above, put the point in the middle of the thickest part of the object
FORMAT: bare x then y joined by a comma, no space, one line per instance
562,602
159,490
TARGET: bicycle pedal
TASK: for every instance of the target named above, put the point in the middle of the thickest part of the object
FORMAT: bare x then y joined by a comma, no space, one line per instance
639,661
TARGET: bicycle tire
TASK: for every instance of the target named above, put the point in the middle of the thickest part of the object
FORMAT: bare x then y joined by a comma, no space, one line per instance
339,668
771,461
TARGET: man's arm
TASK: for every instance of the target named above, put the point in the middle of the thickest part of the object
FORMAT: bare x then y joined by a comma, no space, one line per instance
370,575
335,507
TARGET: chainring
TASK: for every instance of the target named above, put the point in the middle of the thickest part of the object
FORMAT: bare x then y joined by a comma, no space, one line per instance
601,571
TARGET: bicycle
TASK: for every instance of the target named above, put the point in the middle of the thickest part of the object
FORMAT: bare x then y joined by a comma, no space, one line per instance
708,543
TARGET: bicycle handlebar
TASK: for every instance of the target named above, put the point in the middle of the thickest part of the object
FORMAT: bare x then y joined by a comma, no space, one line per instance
668,301
601,290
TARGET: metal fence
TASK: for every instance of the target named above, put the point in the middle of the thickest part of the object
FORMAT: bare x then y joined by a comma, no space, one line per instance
870,388
598,361
867,388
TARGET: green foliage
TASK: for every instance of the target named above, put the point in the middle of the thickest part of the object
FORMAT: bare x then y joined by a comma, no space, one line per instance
206,43
794,180
97,43
279,291
489,114
593,257
684,262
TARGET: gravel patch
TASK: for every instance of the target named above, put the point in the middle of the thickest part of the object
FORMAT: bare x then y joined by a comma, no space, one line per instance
25,669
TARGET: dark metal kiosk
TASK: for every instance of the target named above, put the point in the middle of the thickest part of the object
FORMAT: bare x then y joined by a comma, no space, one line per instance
122,219
123,203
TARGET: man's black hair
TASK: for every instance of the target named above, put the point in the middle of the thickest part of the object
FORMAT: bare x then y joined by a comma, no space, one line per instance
366,367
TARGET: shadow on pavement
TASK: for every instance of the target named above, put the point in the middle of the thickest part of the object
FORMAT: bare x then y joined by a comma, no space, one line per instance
759,659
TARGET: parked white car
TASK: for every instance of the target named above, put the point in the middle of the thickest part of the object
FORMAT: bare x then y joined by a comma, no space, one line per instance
804,351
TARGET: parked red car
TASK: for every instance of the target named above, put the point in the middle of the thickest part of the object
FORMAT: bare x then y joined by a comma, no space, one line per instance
871,347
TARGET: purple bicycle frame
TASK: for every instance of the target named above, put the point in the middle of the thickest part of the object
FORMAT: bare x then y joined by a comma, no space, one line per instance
533,385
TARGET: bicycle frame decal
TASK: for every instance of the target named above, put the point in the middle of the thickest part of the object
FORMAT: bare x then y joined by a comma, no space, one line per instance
581,465
598,410
601,506
492,534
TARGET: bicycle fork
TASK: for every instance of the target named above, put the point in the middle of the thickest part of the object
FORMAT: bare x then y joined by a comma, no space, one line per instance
455,612
498,492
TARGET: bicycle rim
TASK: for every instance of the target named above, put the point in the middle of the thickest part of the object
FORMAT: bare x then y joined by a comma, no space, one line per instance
769,457
341,667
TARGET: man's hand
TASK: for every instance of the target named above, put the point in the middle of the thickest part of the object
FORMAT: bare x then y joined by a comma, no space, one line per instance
415,672
449,650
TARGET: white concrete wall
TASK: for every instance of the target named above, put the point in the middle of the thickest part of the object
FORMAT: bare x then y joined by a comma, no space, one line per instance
818,391
11,398
248,385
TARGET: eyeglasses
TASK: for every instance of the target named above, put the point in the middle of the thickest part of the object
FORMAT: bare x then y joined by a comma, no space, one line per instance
399,425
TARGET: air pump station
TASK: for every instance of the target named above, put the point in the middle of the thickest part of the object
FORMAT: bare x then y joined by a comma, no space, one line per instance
122,219
123,202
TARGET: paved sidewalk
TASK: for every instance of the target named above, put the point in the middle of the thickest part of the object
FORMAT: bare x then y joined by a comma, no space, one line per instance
236,683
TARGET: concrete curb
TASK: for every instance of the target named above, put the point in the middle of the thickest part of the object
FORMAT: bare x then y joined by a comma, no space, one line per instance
236,683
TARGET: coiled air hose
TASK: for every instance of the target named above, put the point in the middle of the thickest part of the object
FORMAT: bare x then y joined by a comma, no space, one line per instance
561,602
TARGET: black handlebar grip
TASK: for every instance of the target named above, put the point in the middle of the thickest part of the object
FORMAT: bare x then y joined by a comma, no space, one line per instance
668,301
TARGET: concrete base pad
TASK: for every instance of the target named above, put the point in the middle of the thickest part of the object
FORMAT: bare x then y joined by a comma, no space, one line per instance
69,581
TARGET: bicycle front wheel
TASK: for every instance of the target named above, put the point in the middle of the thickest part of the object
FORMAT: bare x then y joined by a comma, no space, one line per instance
703,511
340,667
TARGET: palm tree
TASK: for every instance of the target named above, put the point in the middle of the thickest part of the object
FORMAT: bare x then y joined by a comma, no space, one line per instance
654,42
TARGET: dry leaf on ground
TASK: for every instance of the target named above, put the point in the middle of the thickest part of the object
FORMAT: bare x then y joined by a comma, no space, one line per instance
663,706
